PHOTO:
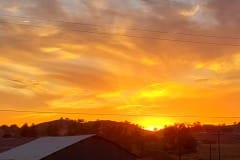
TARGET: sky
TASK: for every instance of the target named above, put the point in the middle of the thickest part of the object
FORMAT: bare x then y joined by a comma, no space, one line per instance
149,62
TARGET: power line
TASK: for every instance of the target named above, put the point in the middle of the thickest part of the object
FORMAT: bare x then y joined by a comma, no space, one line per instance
130,36
124,115
130,28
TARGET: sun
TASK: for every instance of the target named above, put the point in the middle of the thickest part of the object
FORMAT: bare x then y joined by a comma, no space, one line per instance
154,123
154,128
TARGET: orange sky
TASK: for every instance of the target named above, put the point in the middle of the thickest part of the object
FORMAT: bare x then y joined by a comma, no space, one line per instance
49,65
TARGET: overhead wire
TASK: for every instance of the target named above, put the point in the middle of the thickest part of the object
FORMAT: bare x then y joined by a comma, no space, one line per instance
122,115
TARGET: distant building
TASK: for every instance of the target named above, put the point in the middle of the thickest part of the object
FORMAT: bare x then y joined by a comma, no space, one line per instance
1,133
85,147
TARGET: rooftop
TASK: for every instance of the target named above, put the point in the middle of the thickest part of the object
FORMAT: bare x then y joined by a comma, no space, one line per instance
41,147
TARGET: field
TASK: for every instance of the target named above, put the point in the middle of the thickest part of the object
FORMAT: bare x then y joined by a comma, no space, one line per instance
228,152
230,148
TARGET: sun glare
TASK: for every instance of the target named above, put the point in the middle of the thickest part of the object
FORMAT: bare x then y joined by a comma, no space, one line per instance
154,123
153,128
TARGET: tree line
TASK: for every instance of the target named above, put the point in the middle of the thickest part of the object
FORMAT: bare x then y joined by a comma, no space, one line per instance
175,140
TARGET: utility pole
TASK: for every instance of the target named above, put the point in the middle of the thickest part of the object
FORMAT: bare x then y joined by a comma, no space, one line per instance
210,151
218,134
179,152
219,147
179,144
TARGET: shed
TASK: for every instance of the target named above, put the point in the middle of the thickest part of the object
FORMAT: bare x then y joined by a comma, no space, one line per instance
84,147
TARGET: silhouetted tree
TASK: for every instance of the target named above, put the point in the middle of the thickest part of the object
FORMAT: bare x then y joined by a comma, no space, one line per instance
52,130
179,140
26,131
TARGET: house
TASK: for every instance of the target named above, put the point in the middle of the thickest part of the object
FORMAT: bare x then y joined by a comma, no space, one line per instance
84,147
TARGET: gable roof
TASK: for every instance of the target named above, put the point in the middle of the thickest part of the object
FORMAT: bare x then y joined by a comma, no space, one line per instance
41,147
